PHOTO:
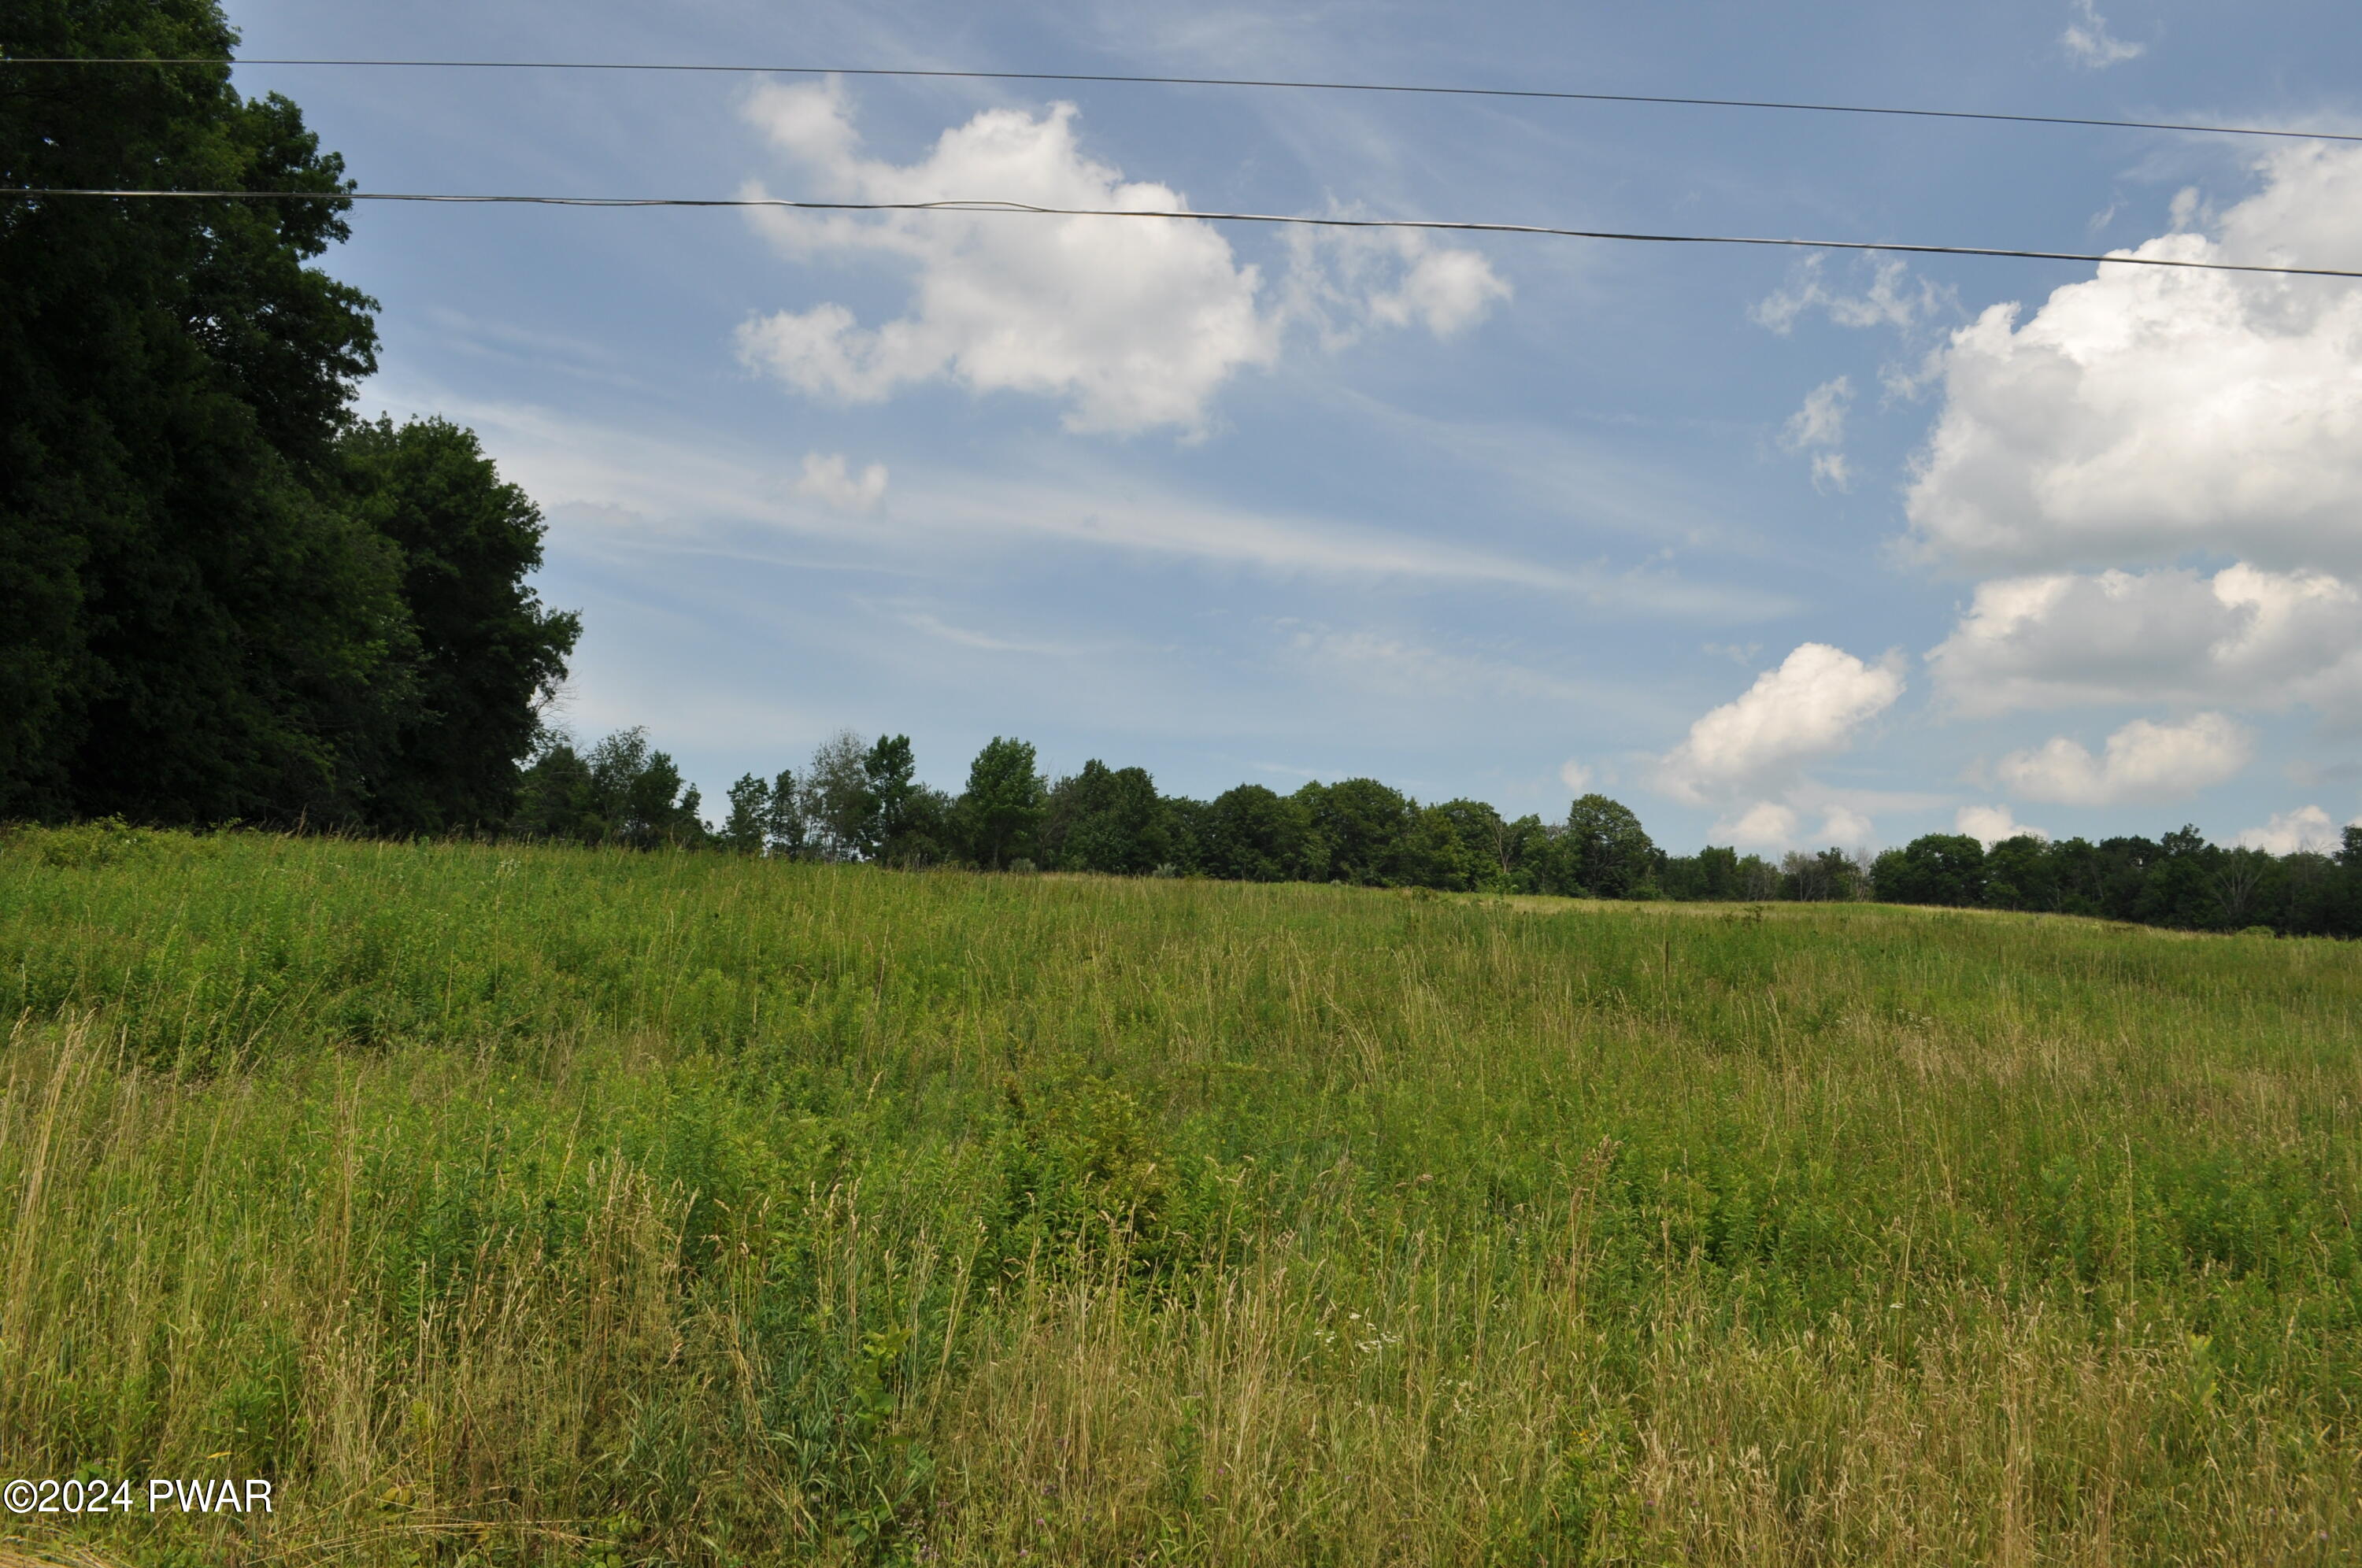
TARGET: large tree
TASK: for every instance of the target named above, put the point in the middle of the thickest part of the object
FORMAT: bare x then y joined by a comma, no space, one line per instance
1002,804
1609,854
488,653
197,620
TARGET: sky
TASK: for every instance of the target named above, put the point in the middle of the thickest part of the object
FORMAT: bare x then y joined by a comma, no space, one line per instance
1782,549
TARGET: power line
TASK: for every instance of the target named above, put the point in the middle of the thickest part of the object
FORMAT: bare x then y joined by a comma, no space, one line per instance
1027,209
1529,93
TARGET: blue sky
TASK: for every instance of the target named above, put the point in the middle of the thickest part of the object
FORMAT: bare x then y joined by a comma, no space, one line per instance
1777,550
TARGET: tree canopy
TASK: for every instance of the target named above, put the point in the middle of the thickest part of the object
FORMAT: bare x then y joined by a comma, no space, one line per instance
219,597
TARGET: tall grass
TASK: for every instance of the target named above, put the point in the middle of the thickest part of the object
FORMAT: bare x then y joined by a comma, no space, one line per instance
549,1206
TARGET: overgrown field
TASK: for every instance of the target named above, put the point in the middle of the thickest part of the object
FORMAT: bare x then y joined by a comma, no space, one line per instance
557,1206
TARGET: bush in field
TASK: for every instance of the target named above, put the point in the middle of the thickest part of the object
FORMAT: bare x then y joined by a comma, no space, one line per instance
1087,1175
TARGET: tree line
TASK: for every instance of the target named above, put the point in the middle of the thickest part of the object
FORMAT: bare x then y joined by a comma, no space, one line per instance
859,800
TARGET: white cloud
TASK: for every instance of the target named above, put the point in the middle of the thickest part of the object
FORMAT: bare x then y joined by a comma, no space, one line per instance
2307,827
1774,825
1574,775
2243,637
2144,761
827,479
1989,825
1134,324
1889,301
1343,280
2088,41
1843,825
1821,421
2150,412
1808,708
1766,824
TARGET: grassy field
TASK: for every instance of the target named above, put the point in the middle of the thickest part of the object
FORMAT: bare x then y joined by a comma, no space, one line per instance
542,1206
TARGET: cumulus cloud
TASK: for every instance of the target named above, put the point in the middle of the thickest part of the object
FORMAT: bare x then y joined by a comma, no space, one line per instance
1766,824
1844,825
2307,827
826,479
1777,825
1989,825
2143,761
2088,41
2151,411
1134,325
2241,637
1574,775
1808,708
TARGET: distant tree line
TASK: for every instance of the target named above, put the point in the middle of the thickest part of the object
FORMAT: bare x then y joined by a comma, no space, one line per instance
2181,880
859,800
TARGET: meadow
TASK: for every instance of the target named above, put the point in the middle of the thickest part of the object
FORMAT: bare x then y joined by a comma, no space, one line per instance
533,1205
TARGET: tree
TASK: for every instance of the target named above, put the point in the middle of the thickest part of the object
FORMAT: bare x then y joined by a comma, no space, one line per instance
1002,804
1105,819
836,797
1609,854
621,791
2238,877
1936,869
888,770
638,792
929,833
2020,874
746,830
1255,835
488,652
1358,826
556,798
219,597
1758,878
1711,872
189,627
783,817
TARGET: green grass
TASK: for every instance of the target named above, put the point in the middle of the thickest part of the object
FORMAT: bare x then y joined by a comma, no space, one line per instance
544,1206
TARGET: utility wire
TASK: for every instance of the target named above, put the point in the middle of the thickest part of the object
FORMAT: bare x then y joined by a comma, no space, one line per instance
1026,209
1232,81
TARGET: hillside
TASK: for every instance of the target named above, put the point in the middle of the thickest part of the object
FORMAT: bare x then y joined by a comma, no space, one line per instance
526,1205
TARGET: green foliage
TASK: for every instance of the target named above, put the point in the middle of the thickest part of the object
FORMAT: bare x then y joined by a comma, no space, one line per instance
621,791
745,831
1088,1176
2182,881
1106,820
488,653
1003,804
106,842
1254,834
1608,852
737,1210
1940,868
219,599
862,801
